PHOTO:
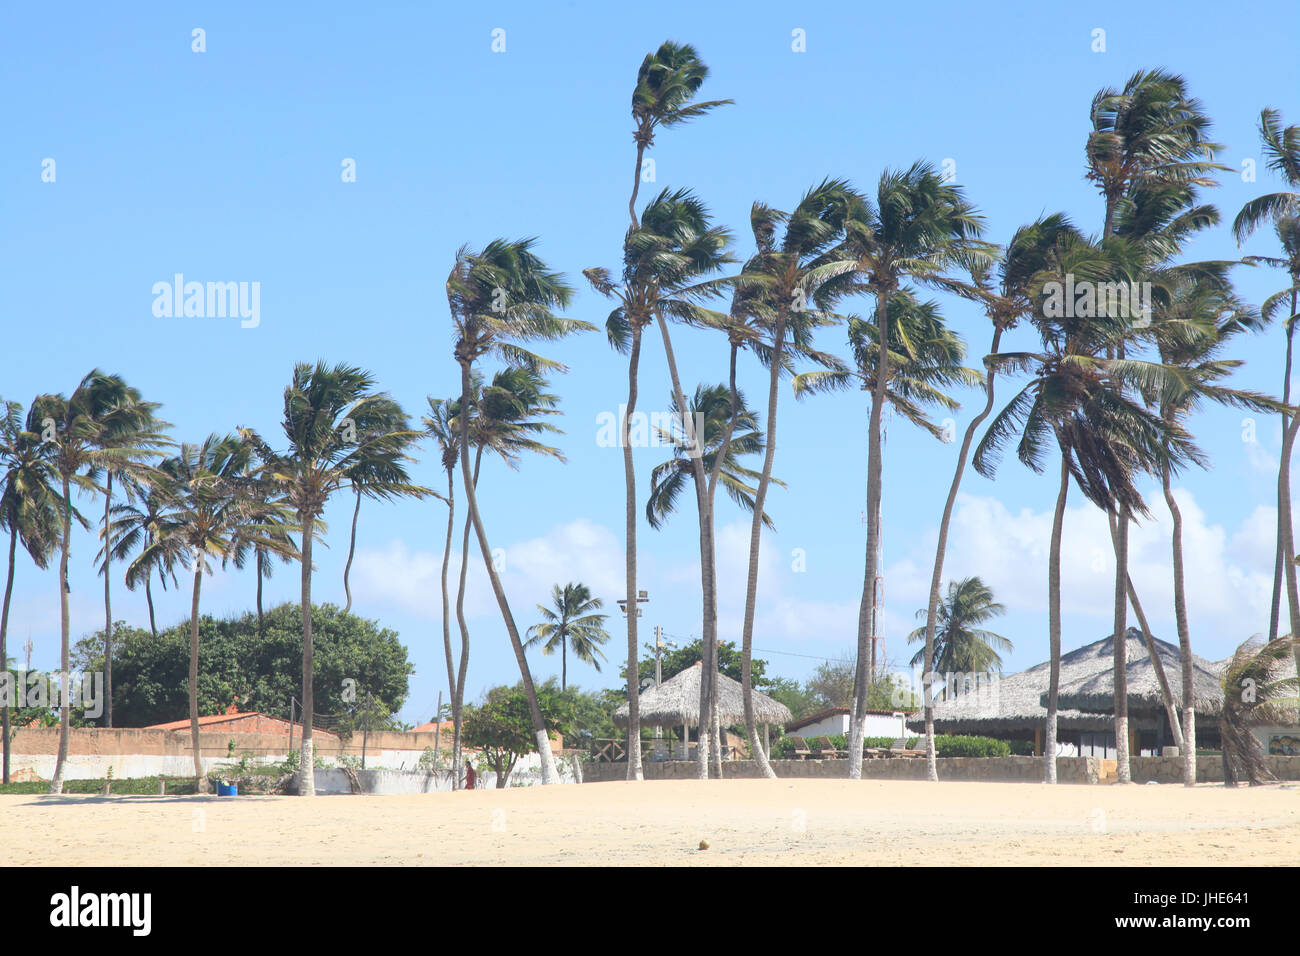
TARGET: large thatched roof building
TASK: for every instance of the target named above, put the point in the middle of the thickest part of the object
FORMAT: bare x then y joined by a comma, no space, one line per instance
1095,693
676,702
1014,707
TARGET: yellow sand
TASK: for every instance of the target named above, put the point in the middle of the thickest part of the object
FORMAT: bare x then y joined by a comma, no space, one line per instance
799,822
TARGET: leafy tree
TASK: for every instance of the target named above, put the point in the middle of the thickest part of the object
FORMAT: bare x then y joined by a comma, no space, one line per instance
673,662
262,673
501,726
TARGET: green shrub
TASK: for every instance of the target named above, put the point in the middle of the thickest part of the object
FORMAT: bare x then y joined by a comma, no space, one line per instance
948,746
141,786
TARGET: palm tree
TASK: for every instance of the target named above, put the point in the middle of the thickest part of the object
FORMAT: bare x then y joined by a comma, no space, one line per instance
209,514
135,427
1257,690
1282,153
1077,398
664,96
138,523
499,296
666,85
1191,326
77,437
959,645
572,623
265,499
667,259
338,428
29,510
1007,299
1150,135
919,227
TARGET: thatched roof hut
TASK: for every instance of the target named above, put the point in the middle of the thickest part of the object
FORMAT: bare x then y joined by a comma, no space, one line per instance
1011,707
1095,692
677,702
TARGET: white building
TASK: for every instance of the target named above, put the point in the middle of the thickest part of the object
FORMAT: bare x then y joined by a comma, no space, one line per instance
835,720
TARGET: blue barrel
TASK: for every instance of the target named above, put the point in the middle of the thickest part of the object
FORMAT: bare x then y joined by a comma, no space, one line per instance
227,790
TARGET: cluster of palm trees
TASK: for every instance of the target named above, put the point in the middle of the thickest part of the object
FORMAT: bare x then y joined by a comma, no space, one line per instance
1110,392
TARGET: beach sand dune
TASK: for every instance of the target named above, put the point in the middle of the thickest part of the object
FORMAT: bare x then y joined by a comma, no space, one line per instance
787,822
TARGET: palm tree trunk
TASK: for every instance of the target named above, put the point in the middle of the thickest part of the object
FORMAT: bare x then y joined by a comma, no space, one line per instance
1121,647
471,498
1283,530
1054,623
1284,514
458,690
65,708
634,769
4,648
446,625
260,559
352,547
306,764
564,666
1166,694
1188,744
867,608
148,600
940,553
194,675
108,611
708,571
636,184
755,539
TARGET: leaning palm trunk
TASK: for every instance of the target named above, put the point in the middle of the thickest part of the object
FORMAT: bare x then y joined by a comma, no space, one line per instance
65,708
4,649
260,624
1162,681
471,499
352,547
1283,529
306,765
867,609
708,572
1188,744
755,539
1121,648
1054,624
194,675
634,771
458,686
1284,515
446,627
932,610
108,612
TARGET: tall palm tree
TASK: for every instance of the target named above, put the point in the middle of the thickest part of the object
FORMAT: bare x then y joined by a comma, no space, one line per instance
265,498
667,261
76,438
1078,399
29,511
1192,325
664,96
1282,154
572,623
137,523
499,297
338,428
960,646
1007,297
919,227
208,515
1148,135
1257,691
133,426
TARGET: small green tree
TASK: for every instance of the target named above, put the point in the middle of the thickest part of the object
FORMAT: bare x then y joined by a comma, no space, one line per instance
501,727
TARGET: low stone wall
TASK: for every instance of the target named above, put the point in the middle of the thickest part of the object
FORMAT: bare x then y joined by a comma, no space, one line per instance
1208,769
988,769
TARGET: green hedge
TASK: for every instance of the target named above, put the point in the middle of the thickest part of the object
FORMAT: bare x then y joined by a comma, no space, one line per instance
142,786
944,746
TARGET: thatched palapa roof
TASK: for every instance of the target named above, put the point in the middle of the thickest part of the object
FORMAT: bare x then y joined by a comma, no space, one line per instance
1013,704
677,701
1095,692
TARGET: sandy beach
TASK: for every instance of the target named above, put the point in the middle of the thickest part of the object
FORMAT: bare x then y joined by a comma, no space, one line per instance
781,822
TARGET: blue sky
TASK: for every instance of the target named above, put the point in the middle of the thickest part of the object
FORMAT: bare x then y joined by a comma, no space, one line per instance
225,165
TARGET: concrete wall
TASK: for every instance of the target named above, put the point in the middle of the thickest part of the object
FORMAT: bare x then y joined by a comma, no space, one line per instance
1208,769
526,773
999,769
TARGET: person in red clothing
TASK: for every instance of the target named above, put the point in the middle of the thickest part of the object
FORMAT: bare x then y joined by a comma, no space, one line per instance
470,776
